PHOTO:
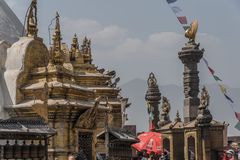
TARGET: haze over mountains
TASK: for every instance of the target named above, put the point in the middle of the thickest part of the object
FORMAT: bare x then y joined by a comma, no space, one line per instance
219,107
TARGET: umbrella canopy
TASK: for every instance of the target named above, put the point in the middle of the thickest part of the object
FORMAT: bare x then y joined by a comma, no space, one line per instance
149,141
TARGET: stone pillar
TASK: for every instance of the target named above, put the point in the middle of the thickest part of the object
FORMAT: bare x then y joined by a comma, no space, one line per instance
153,97
190,56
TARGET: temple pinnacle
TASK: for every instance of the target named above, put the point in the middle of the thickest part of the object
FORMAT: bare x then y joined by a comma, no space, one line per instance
32,20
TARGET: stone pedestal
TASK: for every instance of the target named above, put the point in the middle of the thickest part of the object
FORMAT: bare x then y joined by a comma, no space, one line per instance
190,56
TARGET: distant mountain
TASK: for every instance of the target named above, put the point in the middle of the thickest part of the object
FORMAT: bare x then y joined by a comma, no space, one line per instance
10,26
219,107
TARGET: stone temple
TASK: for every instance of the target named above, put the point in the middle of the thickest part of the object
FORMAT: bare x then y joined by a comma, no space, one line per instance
62,87
198,136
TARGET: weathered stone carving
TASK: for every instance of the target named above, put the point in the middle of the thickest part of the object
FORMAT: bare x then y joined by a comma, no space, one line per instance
204,116
166,107
204,101
88,118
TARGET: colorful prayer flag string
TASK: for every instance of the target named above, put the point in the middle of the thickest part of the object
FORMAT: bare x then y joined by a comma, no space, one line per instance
224,91
177,11
218,80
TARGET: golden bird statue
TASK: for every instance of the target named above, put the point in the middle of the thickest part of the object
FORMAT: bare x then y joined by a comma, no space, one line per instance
192,31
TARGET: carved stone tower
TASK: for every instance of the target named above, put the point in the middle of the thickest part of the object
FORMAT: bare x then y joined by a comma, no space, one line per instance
153,96
190,56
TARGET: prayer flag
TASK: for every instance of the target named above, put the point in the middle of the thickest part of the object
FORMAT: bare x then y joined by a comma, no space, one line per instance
237,114
176,9
216,78
211,70
171,1
228,98
223,89
205,61
182,19
186,27
237,126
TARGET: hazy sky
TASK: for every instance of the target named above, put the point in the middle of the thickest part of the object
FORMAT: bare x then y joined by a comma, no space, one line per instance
135,37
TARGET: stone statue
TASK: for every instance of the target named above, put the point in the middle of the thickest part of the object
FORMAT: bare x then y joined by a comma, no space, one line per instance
204,101
192,31
166,107
152,81
204,117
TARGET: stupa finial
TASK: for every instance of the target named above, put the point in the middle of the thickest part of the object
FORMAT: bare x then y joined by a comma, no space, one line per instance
32,20
57,54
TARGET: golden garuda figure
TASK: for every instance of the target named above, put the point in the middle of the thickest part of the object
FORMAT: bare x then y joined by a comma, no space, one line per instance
192,31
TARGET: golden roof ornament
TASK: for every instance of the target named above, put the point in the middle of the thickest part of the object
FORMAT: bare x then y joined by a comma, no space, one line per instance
74,48
192,31
57,53
32,20
86,50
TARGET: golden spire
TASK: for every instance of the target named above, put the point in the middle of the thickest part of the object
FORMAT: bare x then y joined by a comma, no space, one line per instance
86,50
57,53
74,48
32,20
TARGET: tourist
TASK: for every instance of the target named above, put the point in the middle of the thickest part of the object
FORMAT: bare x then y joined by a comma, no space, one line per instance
164,156
229,155
236,152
